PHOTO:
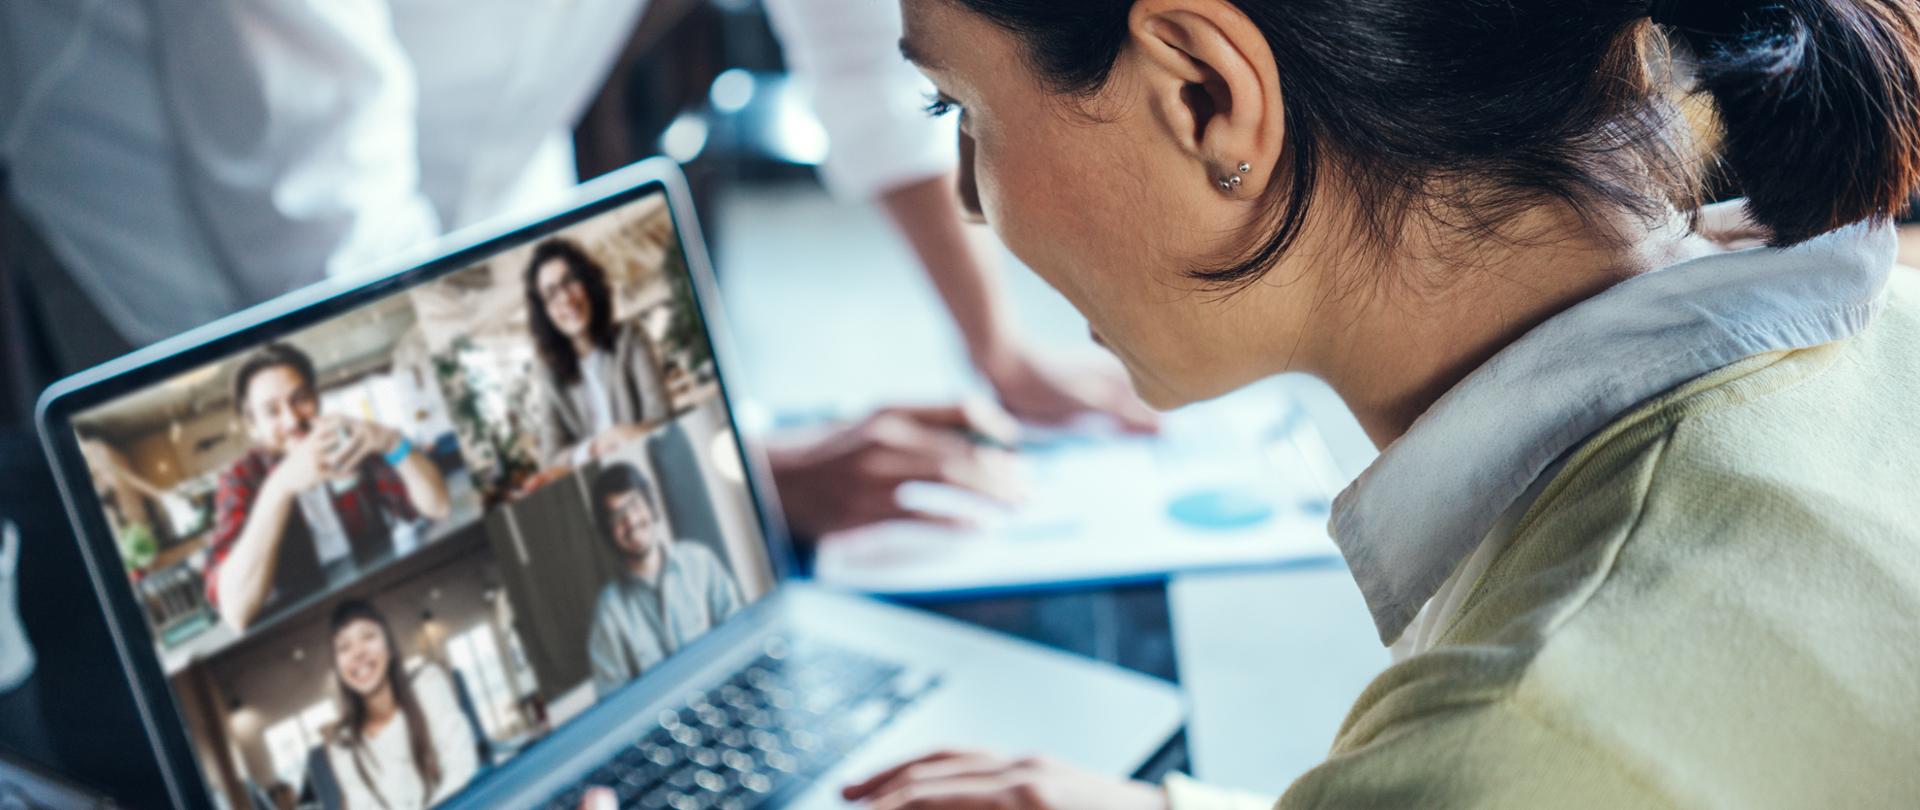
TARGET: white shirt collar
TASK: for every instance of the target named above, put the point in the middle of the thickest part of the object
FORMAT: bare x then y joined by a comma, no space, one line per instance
1430,498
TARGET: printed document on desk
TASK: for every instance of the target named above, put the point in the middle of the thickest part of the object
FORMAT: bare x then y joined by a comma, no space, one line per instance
1242,481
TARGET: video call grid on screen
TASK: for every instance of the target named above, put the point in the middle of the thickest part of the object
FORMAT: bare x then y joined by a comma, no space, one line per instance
493,496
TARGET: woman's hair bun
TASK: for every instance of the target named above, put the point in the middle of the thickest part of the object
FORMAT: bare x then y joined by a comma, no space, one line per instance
1819,100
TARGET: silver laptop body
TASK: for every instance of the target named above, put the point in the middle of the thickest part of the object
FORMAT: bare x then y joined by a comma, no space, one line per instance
946,684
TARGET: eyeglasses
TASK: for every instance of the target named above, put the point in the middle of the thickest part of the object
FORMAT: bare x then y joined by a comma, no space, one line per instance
551,292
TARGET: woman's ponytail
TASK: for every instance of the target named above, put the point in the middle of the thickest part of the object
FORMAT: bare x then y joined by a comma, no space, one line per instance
1820,102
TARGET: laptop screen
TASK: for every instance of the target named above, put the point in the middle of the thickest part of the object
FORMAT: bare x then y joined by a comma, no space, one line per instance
381,554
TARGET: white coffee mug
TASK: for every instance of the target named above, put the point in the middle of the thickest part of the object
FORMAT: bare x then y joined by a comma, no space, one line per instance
16,655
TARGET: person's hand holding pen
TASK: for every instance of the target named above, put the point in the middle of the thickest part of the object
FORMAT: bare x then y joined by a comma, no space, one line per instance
847,477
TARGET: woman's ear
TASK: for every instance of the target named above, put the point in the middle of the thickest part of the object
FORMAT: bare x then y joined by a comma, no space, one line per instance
1209,76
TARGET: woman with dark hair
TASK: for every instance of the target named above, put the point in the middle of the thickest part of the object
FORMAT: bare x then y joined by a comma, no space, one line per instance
603,383
1642,530
402,741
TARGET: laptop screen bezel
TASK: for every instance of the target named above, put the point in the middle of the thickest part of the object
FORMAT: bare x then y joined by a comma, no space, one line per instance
166,727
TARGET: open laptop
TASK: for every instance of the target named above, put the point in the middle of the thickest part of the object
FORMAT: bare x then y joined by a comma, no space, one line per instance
497,501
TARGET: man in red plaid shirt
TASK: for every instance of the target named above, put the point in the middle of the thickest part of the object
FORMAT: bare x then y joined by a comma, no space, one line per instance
265,548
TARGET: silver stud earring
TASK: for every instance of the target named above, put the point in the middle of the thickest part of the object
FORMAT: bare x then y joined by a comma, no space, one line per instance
1232,181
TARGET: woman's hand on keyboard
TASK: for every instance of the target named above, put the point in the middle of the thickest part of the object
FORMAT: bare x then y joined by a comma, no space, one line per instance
971,780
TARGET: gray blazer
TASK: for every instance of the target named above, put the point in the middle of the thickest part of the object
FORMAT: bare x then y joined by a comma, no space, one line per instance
633,384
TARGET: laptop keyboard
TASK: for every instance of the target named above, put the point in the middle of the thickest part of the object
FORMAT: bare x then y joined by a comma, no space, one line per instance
761,736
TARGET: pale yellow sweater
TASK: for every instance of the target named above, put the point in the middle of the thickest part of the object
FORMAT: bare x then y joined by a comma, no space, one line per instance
1716,603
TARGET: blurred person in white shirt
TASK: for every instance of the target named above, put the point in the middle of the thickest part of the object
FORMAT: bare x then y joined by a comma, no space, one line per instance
169,163
173,162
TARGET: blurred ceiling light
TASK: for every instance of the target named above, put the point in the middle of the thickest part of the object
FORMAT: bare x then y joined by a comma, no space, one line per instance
732,91
684,138
244,720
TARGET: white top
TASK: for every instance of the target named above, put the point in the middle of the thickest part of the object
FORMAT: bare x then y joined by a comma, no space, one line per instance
1427,508
593,376
389,753
185,159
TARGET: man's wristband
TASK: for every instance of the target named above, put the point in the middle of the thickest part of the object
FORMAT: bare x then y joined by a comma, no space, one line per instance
399,452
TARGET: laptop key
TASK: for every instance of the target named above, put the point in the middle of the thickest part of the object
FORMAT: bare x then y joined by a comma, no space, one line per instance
782,761
710,782
657,799
686,801
681,779
663,756
757,782
738,760
629,791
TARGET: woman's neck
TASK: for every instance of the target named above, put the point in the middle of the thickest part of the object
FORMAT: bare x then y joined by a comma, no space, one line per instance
583,344
1404,343
381,707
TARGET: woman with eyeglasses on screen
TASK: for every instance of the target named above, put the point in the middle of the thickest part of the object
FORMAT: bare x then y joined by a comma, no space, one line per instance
402,740
1643,530
602,385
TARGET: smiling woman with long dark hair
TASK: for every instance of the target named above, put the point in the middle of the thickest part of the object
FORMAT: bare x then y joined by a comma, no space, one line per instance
1642,531
602,385
401,741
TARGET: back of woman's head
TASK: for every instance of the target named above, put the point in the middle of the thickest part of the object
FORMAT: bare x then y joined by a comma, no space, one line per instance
1472,111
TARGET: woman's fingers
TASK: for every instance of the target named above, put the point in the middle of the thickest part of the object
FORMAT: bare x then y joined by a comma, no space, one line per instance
922,775
977,792
993,474
866,787
906,450
977,420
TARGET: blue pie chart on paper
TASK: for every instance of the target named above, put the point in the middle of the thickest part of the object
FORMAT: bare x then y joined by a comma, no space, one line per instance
1221,509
